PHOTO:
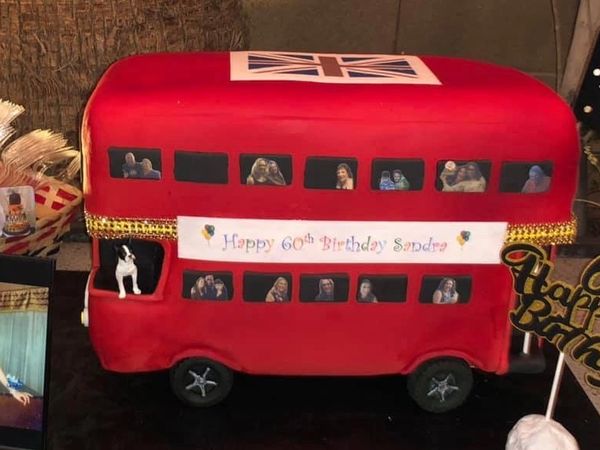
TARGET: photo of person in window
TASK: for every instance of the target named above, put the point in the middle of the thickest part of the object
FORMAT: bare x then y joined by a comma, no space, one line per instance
400,181
279,291
345,179
467,178
265,172
386,183
446,294
326,290
365,292
198,291
131,168
147,171
207,288
220,290
537,182
22,397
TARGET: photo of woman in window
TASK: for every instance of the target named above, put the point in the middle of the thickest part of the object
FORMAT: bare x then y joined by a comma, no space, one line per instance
148,172
326,290
265,172
455,179
446,293
537,182
279,291
22,397
198,291
365,292
220,290
345,179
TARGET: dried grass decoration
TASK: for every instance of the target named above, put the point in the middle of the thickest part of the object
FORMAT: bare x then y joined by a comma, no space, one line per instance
43,160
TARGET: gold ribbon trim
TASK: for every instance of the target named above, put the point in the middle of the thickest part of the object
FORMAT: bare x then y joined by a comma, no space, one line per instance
18,297
551,233
103,227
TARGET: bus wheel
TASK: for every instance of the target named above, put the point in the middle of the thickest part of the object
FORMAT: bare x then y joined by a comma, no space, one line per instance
441,384
201,382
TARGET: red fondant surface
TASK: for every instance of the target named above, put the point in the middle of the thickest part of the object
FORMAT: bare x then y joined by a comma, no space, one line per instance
186,102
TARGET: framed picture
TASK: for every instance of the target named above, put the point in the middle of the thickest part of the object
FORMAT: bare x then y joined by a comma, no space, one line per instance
17,215
25,292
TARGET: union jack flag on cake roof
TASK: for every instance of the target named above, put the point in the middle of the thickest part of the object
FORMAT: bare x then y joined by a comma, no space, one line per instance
330,68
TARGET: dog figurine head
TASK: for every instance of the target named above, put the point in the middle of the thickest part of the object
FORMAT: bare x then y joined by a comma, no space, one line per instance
124,253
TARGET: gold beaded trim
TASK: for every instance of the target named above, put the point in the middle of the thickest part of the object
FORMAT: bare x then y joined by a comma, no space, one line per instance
552,233
120,227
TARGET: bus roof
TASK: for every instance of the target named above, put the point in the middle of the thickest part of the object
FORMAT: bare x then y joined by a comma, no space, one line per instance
180,84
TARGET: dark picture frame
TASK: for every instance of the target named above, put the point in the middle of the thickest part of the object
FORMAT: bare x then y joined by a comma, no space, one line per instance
36,272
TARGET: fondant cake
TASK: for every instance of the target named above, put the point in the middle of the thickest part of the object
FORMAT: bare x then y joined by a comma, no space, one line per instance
318,214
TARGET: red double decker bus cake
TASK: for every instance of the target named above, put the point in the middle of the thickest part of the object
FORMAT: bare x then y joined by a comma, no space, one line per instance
317,214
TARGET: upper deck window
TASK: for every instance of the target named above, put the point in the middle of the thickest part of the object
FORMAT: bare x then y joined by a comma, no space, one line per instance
445,290
526,177
397,174
330,173
266,170
135,163
201,167
463,176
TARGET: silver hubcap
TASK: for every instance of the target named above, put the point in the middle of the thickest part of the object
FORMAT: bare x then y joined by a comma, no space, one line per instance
441,389
201,382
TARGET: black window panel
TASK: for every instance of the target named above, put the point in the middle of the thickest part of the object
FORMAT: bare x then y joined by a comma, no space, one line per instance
514,174
149,258
385,288
431,283
195,291
310,292
412,169
201,167
116,158
258,285
321,172
485,167
284,162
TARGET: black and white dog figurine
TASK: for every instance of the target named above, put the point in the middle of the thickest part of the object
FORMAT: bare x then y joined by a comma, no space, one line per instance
126,268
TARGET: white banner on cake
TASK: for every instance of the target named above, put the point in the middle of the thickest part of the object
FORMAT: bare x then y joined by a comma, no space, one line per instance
319,241
330,68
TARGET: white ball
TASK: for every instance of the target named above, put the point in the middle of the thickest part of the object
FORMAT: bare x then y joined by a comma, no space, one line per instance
534,432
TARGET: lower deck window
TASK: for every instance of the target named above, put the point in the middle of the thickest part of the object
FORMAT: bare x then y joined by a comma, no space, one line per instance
445,290
267,287
207,285
381,288
324,288
149,258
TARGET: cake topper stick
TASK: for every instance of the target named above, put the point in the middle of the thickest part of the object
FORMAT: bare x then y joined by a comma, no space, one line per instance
558,374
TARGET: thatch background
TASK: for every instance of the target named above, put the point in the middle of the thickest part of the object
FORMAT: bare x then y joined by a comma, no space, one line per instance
52,52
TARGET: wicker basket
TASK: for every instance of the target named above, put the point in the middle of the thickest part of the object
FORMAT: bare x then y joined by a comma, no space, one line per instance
55,208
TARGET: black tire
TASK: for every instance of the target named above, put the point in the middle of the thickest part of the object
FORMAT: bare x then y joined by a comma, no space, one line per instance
441,385
201,382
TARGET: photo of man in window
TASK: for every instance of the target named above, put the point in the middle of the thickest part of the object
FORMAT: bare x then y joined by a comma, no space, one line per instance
209,288
537,182
147,171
